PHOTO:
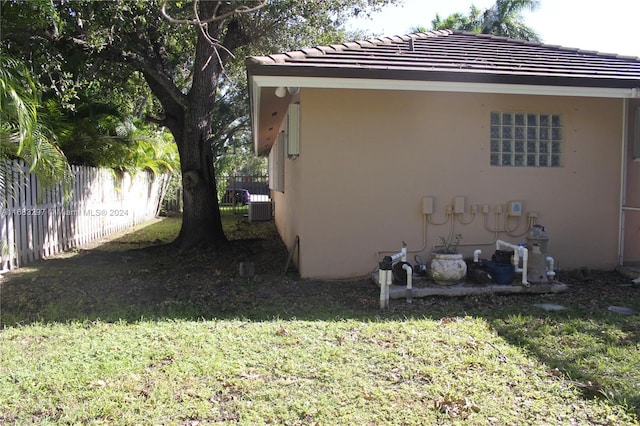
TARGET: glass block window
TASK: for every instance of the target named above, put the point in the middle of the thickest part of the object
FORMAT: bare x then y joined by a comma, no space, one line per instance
526,140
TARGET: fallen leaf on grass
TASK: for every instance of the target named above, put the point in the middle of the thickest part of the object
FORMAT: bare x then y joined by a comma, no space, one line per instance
456,407
282,332
98,384
591,389
472,343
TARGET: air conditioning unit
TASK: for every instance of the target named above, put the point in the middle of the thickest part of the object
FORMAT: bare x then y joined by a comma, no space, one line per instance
259,211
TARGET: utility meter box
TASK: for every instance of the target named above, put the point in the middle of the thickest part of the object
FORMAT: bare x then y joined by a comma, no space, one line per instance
514,208
427,205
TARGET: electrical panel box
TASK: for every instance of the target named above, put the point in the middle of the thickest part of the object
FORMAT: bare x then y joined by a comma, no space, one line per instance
514,208
427,205
458,205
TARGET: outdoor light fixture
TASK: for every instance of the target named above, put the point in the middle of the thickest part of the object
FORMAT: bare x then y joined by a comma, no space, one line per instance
281,92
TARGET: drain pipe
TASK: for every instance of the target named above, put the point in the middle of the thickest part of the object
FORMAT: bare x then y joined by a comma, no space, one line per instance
623,180
517,251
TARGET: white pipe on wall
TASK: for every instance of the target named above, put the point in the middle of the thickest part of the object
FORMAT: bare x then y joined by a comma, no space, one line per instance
623,180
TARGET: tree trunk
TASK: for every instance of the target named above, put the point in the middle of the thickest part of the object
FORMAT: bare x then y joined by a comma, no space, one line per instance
190,119
201,222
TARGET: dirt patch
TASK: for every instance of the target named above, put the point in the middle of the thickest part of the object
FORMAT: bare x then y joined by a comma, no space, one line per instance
128,277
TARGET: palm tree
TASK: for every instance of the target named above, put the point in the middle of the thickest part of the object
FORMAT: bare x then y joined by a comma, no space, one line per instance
24,131
458,21
504,19
24,134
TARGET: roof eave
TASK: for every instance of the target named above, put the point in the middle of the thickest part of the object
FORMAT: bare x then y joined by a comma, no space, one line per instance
264,76
443,76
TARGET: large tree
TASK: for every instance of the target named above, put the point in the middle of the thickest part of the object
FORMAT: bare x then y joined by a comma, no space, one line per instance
183,50
504,18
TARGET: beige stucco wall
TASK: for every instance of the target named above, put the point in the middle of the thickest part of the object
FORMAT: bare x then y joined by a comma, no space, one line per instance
368,158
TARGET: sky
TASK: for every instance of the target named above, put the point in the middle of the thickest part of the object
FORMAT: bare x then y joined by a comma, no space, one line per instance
610,26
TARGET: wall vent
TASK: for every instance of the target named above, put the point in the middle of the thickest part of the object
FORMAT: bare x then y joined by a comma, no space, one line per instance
259,211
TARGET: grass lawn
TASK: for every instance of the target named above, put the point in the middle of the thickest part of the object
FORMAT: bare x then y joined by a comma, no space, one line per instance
122,334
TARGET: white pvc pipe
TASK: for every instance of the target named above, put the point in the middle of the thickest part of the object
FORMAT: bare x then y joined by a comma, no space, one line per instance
623,179
550,272
409,271
387,285
382,280
517,251
385,278
402,254
476,255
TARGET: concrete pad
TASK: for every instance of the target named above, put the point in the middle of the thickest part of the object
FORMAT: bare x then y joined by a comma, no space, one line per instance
423,288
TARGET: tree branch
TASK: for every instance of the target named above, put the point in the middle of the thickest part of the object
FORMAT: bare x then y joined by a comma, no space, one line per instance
213,18
161,121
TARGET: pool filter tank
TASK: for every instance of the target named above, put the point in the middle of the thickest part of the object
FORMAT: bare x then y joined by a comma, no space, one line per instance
537,245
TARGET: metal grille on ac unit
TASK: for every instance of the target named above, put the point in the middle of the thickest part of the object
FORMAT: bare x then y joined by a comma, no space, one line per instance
259,211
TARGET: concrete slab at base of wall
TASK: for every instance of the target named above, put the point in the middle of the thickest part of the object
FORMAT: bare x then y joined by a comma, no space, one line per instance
426,289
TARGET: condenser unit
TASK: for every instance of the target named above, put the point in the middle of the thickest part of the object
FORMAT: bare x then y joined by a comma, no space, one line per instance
259,211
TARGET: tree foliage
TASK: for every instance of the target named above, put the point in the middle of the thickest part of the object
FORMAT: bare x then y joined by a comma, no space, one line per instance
26,125
189,54
504,18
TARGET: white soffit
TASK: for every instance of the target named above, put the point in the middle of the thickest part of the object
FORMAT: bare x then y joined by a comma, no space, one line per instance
441,86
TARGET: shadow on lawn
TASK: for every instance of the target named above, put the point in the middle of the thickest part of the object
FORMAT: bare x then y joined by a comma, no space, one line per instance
128,279
112,283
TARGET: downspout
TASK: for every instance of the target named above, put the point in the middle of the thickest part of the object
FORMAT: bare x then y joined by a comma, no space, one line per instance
623,179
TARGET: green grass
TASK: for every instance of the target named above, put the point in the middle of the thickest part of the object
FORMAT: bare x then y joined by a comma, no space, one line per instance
283,372
119,337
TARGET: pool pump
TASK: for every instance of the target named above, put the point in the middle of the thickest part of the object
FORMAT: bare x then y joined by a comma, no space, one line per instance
537,245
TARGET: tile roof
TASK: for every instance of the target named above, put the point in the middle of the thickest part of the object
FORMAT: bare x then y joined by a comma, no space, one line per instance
455,56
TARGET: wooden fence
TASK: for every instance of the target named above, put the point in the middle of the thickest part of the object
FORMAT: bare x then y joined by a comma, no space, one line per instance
36,223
